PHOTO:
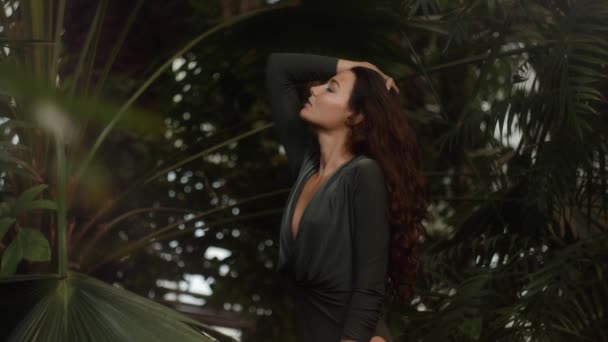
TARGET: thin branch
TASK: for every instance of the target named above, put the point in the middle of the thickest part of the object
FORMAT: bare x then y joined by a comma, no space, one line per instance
157,73
207,151
474,59
111,202
5,41
106,228
117,47
153,237
57,42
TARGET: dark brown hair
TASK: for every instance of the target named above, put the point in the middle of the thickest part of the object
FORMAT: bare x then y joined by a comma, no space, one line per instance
386,136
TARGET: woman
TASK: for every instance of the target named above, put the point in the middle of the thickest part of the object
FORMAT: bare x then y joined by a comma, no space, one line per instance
358,199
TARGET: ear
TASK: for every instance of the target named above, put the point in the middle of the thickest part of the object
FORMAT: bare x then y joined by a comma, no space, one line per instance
353,120
358,118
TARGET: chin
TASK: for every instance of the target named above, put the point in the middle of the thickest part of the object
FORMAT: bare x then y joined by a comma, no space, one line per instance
305,117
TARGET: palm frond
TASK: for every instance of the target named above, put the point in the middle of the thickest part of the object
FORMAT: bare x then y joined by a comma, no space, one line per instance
82,308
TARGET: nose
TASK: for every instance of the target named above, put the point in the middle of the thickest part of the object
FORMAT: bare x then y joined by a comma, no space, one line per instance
312,90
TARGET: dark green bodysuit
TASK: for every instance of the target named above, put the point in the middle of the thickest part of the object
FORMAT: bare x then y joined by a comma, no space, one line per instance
338,260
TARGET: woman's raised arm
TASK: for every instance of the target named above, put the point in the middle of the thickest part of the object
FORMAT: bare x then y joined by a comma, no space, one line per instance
284,71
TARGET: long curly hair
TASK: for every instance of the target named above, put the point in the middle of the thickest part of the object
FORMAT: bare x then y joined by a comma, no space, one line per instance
386,136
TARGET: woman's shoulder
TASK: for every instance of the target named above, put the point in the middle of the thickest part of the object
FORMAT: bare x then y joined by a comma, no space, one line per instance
367,165
367,179
365,161
366,169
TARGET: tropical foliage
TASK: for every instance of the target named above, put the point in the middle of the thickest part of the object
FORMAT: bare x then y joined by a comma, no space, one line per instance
519,88
47,114
508,99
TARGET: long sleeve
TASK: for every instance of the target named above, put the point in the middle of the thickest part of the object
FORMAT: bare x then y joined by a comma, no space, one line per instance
283,72
371,240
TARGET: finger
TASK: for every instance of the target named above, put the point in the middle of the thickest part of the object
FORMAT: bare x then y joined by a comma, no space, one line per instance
393,84
390,84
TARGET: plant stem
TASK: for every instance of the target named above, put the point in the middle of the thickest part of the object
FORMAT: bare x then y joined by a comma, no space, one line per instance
156,74
62,249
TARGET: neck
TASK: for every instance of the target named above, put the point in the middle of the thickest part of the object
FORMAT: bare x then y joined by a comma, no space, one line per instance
333,151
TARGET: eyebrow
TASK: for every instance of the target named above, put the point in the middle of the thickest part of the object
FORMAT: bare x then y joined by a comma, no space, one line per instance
332,80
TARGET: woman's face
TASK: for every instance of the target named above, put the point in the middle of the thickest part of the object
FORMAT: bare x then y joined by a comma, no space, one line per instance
327,104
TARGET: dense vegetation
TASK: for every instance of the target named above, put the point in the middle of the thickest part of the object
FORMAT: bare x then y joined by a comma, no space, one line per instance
136,145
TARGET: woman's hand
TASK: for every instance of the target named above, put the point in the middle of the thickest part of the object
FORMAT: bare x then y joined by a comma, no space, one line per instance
345,64
388,81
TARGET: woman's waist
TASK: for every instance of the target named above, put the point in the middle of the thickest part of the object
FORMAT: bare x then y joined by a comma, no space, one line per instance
322,294
331,304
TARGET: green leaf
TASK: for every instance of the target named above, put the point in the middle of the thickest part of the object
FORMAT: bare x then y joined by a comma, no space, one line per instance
5,224
4,209
12,164
82,308
35,245
27,197
11,257
39,204
29,244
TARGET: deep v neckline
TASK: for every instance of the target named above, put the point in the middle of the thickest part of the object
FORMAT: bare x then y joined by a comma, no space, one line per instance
298,193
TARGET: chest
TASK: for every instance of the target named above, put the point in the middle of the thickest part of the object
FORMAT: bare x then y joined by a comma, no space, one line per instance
318,206
311,186
316,237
